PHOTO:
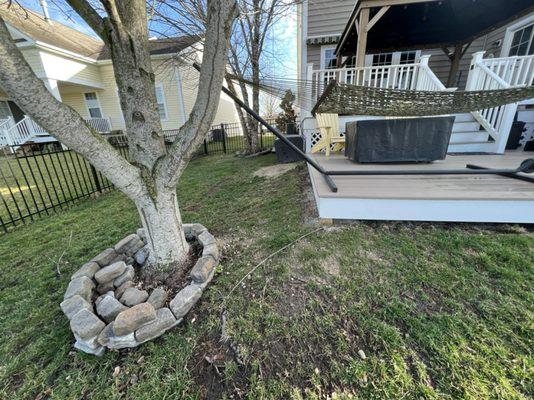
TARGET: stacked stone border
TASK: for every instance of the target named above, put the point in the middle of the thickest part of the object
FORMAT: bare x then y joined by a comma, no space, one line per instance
108,309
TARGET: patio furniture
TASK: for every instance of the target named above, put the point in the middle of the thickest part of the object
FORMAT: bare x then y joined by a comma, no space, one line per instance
398,140
329,128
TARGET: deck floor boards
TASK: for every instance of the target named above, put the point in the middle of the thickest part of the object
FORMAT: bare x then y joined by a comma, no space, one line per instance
429,187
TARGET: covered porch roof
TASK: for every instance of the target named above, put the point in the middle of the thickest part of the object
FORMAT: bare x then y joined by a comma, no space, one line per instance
396,25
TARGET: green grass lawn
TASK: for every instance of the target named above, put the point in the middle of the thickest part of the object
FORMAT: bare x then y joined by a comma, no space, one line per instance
439,311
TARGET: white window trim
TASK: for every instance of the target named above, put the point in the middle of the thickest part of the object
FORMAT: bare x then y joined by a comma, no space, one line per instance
8,107
160,85
323,56
507,43
87,106
395,57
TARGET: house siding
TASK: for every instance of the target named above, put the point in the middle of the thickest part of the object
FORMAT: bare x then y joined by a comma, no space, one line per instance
166,75
328,17
66,69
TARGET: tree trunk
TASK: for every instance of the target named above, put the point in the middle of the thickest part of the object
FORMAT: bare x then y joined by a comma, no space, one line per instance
163,227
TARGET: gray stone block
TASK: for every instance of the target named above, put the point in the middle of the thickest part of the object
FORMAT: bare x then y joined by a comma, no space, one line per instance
211,250
82,346
157,298
110,272
206,238
164,321
122,288
74,304
88,269
185,300
133,318
133,296
109,307
105,257
104,288
127,275
203,269
82,286
142,255
86,325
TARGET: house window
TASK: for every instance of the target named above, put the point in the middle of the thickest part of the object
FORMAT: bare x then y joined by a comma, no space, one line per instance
5,112
522,42
93,106
162,108
382,59
408,57
330,59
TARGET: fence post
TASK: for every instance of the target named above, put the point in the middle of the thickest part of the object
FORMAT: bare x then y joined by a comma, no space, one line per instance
223,138
261,138
95,177
205,147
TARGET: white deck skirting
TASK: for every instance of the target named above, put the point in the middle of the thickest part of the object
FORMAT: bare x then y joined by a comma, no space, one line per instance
430,198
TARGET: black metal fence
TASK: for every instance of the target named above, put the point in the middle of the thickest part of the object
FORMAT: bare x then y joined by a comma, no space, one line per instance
39,180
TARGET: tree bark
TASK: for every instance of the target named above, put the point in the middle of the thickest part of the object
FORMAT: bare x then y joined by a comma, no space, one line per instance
163,226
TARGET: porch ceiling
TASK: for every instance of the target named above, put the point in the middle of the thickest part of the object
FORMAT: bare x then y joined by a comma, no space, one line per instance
430,24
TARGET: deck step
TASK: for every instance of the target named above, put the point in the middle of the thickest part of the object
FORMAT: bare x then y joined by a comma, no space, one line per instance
465,126
469,137
472,147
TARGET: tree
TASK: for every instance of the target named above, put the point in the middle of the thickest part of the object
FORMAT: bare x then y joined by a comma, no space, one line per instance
287,116
150,178
248,40
245,57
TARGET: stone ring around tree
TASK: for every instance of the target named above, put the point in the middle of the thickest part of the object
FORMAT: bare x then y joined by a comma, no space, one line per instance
107,308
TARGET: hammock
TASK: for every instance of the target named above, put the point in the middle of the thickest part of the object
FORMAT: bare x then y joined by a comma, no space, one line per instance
345,99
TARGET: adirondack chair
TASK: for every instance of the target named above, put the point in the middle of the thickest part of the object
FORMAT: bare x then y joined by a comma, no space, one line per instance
329,128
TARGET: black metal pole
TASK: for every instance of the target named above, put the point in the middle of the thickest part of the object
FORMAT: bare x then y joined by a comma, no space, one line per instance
223,138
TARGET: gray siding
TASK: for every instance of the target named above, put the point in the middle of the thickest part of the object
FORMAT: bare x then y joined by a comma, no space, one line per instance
328,16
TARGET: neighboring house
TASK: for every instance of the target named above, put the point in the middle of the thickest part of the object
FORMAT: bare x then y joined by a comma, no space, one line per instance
322,23
77,70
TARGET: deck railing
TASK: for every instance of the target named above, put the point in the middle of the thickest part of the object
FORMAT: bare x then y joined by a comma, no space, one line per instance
516,71
415,76
101,125
492,74
13,134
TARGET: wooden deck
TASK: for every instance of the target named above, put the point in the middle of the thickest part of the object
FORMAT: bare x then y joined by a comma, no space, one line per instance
473,198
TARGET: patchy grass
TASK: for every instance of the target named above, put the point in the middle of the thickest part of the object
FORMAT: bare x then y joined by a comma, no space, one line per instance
438,311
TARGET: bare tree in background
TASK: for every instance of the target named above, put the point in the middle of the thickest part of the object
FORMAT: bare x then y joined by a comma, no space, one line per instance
247,47
150,178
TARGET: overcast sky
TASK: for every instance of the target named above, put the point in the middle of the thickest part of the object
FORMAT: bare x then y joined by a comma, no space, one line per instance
281,49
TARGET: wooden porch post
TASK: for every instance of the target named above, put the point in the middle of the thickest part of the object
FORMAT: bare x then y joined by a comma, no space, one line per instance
455,57
362,37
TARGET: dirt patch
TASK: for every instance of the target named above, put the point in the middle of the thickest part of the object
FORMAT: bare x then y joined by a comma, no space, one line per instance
176,281
274,171
330,265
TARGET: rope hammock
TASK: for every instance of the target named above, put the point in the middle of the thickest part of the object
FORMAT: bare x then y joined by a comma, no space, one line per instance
345,99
